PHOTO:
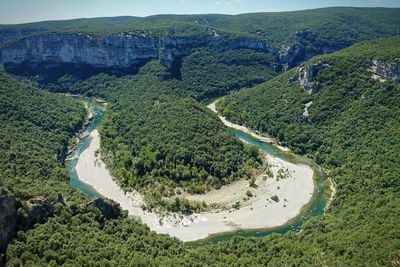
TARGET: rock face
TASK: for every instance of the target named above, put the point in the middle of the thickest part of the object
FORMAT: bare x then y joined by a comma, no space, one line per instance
306,73
118,51
109,208
295,54
6,36
127,52
306,112
291,56
385,71
8,218
39,210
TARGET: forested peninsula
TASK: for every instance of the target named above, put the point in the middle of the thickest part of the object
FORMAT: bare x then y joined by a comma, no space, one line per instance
322,86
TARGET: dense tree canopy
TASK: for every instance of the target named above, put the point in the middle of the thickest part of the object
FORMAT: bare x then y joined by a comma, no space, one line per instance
36,128
155,138
335,26
352,130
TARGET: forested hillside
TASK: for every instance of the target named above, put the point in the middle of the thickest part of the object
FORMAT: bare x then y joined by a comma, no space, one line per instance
341,109
10,32
158,140
202,75
315,28
361,226
207,73
36,128
352,129
335,25
292,37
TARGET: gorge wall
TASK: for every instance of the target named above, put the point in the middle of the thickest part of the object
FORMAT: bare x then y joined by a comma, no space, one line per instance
120,52
44,55
124,52
385,71
8,218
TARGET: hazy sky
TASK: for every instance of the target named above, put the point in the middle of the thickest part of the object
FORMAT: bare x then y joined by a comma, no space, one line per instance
18,11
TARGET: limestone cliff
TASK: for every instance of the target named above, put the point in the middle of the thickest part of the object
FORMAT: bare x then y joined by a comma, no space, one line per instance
385,71
305,47
305,75
8,35
117,51
8,218
291,56
109,208
128,51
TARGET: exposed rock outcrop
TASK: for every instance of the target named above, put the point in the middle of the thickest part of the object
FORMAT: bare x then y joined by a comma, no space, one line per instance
8,218
6,36
305,112
302,33
126,52
109,208
117,51
39,209
306,74
299,52
385,71
291,56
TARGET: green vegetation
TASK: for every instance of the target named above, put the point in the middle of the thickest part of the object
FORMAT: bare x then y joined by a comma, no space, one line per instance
82,236
10,32
204,74
36,128
183,205
172,30
353,131
179,141
209,73
252,181
84,23
156,140
275,198
282,174
249,193
326,27
334,26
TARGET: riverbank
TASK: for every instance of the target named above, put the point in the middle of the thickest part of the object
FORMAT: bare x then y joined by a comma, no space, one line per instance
332,188
98,100
229,124
273,201
81,134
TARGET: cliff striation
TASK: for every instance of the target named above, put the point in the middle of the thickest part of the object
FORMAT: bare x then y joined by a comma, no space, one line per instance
8,35
126,52
385,71
306,74
8,218
118,51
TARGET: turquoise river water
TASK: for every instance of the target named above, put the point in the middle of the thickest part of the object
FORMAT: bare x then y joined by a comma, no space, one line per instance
314,207
97,111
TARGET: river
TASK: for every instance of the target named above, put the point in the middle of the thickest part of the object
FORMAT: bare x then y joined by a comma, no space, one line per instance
314,207
97,110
